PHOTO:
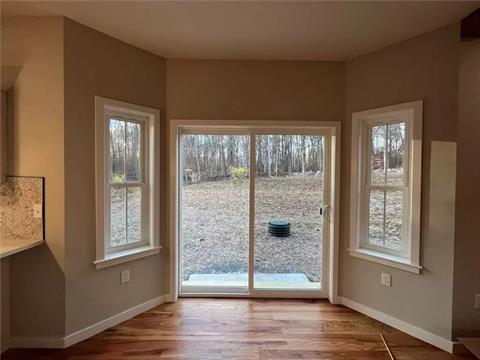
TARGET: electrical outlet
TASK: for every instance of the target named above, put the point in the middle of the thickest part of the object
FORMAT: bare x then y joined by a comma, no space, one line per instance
125,276
386,280
477,301
37,211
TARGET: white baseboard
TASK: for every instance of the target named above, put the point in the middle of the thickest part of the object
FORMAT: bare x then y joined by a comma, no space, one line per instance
401,325
112,321
169,298
89,331
63,342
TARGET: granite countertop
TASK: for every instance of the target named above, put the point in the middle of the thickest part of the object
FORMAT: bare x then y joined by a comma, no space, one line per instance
12,246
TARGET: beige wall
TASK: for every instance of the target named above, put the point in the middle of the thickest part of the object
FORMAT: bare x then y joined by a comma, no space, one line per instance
425,68
466,319
36,148
96,64
250,90
52,135
255,90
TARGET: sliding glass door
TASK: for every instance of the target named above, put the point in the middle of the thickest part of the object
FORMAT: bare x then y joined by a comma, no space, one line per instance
288,247
252,207
214,212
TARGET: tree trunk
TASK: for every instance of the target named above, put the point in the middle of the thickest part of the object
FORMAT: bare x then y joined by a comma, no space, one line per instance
197,160
245,153
276,149
303,154
289,155
269,158
320,155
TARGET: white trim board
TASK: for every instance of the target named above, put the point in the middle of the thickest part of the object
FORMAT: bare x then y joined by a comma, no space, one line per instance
89,331
401,325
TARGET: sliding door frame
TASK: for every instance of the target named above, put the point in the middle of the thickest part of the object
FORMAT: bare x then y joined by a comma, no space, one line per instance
331,130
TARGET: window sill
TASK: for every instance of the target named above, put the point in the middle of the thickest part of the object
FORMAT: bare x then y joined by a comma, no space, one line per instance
386,259
126,255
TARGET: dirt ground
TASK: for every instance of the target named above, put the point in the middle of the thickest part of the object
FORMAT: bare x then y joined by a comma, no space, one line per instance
393,201
215,226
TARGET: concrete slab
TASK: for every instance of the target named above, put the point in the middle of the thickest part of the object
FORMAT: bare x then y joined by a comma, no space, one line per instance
262,281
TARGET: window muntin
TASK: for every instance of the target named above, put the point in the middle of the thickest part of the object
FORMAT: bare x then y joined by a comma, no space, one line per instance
386,188
126,185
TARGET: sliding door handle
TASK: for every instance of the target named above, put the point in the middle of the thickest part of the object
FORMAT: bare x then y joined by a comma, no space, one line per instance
323,210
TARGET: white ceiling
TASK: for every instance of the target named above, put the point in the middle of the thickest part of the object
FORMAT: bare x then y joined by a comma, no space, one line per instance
260,30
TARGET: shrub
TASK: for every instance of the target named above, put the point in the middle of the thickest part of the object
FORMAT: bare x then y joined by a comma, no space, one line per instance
118,178
238,173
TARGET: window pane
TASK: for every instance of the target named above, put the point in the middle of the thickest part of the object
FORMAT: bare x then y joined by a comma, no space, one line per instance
393,220
289,191
214,211
117,150
385,219
134,215
376,217
377,155
395,153
118,229
132,161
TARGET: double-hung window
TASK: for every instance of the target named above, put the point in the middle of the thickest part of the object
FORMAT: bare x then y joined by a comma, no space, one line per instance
386,181
127,181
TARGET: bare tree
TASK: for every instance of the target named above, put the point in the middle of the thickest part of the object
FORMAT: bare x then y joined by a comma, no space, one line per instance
214,157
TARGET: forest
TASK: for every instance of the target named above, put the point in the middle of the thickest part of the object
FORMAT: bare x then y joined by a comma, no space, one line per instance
125,149
217,157
387,146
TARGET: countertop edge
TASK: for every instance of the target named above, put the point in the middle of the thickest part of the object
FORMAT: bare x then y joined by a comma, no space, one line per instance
22,245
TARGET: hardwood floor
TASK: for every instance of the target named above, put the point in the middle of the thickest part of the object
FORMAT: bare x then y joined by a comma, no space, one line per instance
240,329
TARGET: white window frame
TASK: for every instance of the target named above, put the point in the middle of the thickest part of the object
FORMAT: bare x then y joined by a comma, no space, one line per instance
177,126
148,118
408,257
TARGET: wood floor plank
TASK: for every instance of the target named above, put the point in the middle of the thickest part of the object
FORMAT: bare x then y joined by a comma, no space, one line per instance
244,329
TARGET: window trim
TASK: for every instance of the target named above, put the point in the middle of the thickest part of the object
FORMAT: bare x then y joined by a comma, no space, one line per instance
412,114
104,109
